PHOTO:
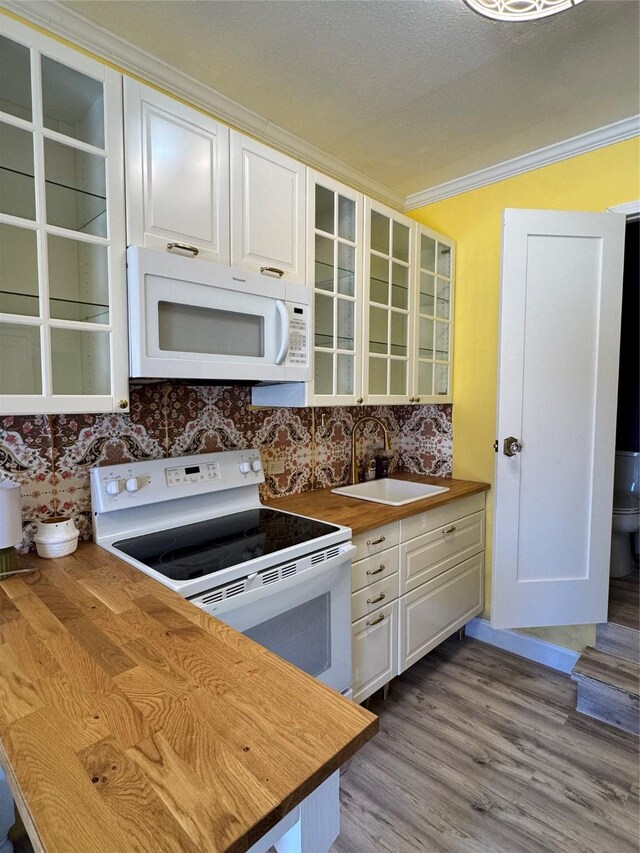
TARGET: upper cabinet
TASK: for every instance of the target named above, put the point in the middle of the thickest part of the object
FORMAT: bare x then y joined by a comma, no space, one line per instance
195,188
383,290
62,239
177,162
389,294
432,317
334,268
267,210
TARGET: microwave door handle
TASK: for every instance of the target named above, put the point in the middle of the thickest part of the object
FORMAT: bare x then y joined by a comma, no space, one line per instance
284,324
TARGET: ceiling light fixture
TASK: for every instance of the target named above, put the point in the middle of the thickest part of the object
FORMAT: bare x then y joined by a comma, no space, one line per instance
519,10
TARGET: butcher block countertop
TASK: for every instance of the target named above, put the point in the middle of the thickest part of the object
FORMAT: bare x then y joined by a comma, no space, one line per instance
132,721
361,515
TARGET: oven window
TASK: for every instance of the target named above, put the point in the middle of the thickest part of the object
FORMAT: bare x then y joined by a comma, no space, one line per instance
192,328
301,635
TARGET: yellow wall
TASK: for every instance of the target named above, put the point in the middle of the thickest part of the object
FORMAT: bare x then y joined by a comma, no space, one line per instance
593,181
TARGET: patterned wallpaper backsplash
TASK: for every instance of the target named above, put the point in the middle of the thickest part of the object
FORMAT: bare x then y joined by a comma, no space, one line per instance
50,456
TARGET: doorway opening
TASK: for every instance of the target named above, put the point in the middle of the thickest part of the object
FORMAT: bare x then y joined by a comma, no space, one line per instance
624,591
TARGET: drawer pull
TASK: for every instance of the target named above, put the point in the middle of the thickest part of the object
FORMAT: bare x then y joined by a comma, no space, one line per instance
377,571
371,622
381,597
449,529
184,247
377,541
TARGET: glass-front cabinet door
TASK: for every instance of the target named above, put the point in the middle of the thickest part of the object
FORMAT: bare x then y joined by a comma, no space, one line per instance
62,293
433,316
389,283
335,271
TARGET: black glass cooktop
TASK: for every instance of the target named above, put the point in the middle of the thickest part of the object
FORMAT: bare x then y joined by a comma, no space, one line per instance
206,547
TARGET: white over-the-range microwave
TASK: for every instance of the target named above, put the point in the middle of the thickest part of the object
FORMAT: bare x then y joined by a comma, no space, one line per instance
197,320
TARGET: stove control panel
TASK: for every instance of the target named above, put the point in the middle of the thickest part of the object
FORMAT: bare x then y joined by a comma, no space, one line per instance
192,474
158,481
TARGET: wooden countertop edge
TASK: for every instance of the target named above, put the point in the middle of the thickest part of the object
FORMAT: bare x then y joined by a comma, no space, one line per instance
361,515
21,803
91,557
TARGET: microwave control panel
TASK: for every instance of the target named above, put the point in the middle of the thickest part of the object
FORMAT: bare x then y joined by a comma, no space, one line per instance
298,334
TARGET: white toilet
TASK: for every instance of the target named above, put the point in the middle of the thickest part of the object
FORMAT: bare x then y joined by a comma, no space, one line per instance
626,513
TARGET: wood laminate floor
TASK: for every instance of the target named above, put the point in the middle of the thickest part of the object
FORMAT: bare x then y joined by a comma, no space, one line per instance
480,751
624,600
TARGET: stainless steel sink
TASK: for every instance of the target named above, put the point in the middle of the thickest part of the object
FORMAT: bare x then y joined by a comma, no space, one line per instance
391,492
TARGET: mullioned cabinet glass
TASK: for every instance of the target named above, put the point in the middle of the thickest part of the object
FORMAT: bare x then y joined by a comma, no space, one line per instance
335,270
62,317
433,318
389,284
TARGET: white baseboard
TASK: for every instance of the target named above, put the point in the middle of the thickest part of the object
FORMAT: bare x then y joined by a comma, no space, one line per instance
556,657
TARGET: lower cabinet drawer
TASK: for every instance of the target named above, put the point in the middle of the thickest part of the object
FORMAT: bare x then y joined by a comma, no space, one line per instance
433,611
431,554
367,600
374,541
374,649
372,569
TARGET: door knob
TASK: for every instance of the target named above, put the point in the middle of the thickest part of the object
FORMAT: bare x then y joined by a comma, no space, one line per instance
511,446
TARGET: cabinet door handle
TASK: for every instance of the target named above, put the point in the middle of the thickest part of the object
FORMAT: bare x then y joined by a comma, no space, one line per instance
377,541
370,622
272,271
185,248
376,571
381,597
449,529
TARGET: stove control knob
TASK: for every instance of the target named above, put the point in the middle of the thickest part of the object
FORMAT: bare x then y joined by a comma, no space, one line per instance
256,465
244,467
114,487
133,484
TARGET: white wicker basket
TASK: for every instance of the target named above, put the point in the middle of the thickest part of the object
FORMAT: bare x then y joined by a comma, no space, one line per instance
56,537
57,549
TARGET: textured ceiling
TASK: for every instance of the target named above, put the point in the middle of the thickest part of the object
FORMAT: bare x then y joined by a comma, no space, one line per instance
410,93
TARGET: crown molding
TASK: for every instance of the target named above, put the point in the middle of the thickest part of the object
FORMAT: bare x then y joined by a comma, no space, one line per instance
105,46
631,210
609,134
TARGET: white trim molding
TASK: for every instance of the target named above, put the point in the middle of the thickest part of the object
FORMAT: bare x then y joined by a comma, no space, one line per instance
102,44
555,657
631,210
619,131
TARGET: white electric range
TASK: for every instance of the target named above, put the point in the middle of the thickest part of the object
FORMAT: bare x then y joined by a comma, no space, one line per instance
196,525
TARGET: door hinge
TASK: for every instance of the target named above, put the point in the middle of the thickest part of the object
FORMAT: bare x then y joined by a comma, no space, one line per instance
495,445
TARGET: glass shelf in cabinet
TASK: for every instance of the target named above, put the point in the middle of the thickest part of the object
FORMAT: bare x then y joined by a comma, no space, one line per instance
55,183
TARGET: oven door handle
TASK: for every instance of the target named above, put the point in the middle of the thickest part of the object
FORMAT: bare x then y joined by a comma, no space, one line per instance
284,325
347,552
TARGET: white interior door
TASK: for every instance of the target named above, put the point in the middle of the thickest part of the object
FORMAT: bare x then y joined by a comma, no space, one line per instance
558,368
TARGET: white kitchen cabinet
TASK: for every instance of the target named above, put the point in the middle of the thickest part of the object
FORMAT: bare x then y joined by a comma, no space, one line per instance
436,609
432,318
389,277
63,344
374,609
374,649
441,575
334,269
267,210
194,187
383,305
414,583
177,165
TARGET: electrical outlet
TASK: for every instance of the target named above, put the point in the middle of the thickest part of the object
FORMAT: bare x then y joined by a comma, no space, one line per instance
276,466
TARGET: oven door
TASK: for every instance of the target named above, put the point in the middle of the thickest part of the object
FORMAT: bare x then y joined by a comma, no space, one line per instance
305,618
